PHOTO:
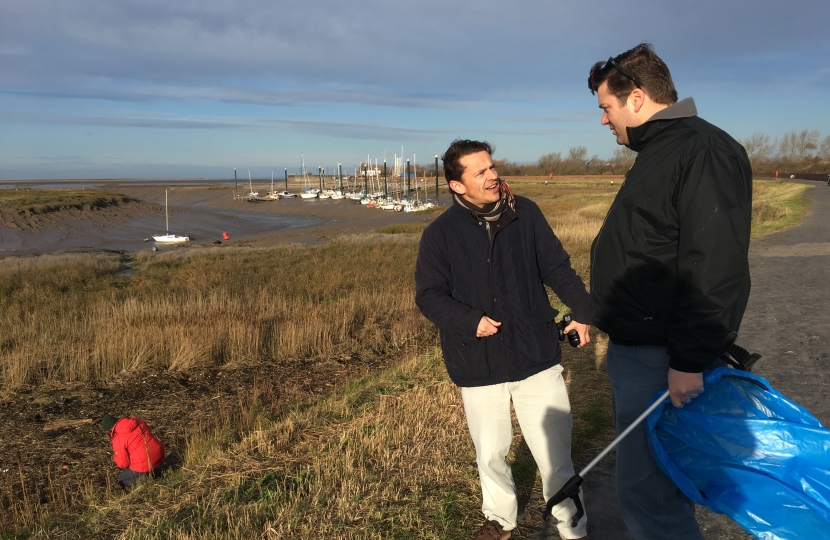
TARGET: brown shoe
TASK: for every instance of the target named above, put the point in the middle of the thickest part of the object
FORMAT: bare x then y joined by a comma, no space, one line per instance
491,530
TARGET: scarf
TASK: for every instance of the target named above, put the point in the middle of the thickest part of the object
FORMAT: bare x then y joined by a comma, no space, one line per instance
491,211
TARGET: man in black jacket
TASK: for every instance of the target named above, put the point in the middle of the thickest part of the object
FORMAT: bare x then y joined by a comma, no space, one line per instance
669,268
480,277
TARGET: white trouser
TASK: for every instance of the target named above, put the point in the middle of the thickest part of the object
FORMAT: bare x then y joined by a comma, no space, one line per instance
544,413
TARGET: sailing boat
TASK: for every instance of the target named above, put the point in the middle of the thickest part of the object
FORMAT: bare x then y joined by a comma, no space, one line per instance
272,195
169,238
309,192
253,196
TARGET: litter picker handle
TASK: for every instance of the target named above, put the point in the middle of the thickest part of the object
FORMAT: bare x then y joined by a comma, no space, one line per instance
571,488
625,433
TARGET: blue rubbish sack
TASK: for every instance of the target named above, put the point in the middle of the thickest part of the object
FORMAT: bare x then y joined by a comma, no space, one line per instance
743,449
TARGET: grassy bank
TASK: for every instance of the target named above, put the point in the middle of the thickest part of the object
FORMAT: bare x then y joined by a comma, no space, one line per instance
41,201
777,205
386,457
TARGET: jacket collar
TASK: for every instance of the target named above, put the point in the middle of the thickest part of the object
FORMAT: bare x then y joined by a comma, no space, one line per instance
640,136
507,215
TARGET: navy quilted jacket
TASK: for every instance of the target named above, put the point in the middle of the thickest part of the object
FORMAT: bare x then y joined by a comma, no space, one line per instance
465,271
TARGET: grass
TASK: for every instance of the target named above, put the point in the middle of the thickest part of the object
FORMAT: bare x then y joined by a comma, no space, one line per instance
777,205
189,308
41,201
386,457
402,228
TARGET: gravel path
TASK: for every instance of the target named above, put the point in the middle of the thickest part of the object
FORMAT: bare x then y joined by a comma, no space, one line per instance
787,321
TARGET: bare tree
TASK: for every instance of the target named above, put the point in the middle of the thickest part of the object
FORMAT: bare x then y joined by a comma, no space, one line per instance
806,141
623,158
824,150
786,147
550,163
796,145
595,165
578,153
577,160
758,148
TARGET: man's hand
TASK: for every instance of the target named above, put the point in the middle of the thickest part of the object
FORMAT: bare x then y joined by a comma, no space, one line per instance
487,327
684,387
582,330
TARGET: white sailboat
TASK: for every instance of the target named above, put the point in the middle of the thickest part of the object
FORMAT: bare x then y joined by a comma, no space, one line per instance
169,238
253,196
309,192
272,195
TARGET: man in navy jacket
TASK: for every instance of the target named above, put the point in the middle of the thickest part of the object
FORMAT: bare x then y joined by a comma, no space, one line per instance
480,277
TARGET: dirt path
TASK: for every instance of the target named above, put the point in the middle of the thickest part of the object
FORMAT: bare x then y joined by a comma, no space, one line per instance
787,321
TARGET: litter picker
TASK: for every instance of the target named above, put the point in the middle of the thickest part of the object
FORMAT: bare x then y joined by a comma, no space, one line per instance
571,488
735,355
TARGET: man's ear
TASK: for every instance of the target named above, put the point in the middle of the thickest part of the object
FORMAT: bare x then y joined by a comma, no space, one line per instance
457,187
637,98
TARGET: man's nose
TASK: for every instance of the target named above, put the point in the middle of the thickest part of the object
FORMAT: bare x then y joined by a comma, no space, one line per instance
604,120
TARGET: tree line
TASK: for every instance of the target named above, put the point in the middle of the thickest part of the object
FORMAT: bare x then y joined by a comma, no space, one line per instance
794,152
575,162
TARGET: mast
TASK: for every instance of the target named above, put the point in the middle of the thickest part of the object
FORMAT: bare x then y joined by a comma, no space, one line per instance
436,180
415,173
166,219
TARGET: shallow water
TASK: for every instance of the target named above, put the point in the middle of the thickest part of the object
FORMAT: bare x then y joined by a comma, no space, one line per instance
131,229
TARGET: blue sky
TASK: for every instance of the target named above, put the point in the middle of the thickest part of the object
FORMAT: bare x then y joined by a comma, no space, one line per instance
165,88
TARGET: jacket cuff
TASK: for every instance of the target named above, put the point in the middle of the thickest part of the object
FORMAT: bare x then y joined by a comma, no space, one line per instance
685,366
471,324
583,316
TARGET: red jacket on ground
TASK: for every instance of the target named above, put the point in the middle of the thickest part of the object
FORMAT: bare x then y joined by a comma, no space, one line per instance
134,446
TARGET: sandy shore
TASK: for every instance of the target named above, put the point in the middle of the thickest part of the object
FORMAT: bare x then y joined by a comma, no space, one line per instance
202,212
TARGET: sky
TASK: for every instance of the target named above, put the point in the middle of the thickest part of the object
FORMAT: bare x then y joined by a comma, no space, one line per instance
167,88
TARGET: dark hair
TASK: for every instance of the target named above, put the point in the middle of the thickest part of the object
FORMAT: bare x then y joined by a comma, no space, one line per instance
457,150
648,70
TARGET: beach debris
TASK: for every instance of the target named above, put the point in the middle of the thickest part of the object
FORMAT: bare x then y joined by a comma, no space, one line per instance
217,242
146,239
65,424
61,401
155,248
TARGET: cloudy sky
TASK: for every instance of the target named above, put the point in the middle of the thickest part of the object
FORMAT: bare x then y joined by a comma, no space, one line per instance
167,88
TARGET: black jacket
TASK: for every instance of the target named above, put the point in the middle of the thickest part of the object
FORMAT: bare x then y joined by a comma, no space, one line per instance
463,272
670,264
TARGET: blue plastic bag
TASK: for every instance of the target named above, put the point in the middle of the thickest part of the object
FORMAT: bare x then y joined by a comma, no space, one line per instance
743,449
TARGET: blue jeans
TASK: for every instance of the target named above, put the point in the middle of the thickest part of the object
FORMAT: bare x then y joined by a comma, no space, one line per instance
652,507
129,477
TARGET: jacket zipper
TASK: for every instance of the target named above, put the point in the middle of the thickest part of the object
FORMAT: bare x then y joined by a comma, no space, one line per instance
491,238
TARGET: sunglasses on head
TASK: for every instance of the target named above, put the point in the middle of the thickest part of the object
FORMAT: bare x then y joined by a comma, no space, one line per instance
613,63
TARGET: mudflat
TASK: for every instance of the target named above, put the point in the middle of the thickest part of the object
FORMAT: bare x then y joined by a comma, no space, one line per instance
202,212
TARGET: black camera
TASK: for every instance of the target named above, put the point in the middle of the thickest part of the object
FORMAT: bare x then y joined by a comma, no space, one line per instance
573,336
